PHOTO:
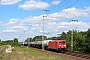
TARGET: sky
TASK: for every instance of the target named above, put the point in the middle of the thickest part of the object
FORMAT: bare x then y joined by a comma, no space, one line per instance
24,18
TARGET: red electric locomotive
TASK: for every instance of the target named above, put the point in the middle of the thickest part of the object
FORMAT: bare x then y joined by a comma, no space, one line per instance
59,45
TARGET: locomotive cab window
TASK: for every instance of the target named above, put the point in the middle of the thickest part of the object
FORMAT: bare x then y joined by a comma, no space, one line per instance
63,42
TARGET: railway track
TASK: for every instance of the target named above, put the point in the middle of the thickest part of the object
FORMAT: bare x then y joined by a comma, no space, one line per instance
80,55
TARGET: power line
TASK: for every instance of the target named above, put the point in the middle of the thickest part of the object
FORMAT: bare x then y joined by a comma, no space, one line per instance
73,3
63,4
58,5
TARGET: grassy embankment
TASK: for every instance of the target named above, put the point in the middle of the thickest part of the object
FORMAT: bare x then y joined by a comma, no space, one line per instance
23,53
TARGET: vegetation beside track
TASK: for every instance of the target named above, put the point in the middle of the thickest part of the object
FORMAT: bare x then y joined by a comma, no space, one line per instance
23,53
2,50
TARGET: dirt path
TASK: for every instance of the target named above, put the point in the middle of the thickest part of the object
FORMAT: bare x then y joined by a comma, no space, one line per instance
9,49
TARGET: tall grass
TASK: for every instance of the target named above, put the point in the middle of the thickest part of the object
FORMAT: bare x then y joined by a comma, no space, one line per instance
23,53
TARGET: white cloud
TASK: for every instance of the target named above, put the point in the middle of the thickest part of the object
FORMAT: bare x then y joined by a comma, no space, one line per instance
66,26
51,21
1,22
14,25
56,2
12,22
87,9
81,26
8,30
9,2
69,13
33,4
17,27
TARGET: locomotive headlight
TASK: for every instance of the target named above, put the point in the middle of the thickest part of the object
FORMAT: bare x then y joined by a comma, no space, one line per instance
64,45
59,45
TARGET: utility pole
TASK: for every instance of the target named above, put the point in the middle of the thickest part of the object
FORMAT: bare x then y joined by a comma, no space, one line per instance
43,28
22,38
72,34
29,34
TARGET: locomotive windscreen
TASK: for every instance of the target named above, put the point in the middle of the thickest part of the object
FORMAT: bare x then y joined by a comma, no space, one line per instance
62,42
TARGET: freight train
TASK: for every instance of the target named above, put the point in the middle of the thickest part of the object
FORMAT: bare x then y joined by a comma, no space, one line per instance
58,45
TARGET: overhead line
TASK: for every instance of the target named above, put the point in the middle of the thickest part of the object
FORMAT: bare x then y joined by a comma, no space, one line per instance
73,3
64,4
58,5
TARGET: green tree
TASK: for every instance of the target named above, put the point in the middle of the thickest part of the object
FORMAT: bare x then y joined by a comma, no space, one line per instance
78,42
68,40
50,38
63,36
15,39
87,42
39,38
0,40
54,38
28,40
15,42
